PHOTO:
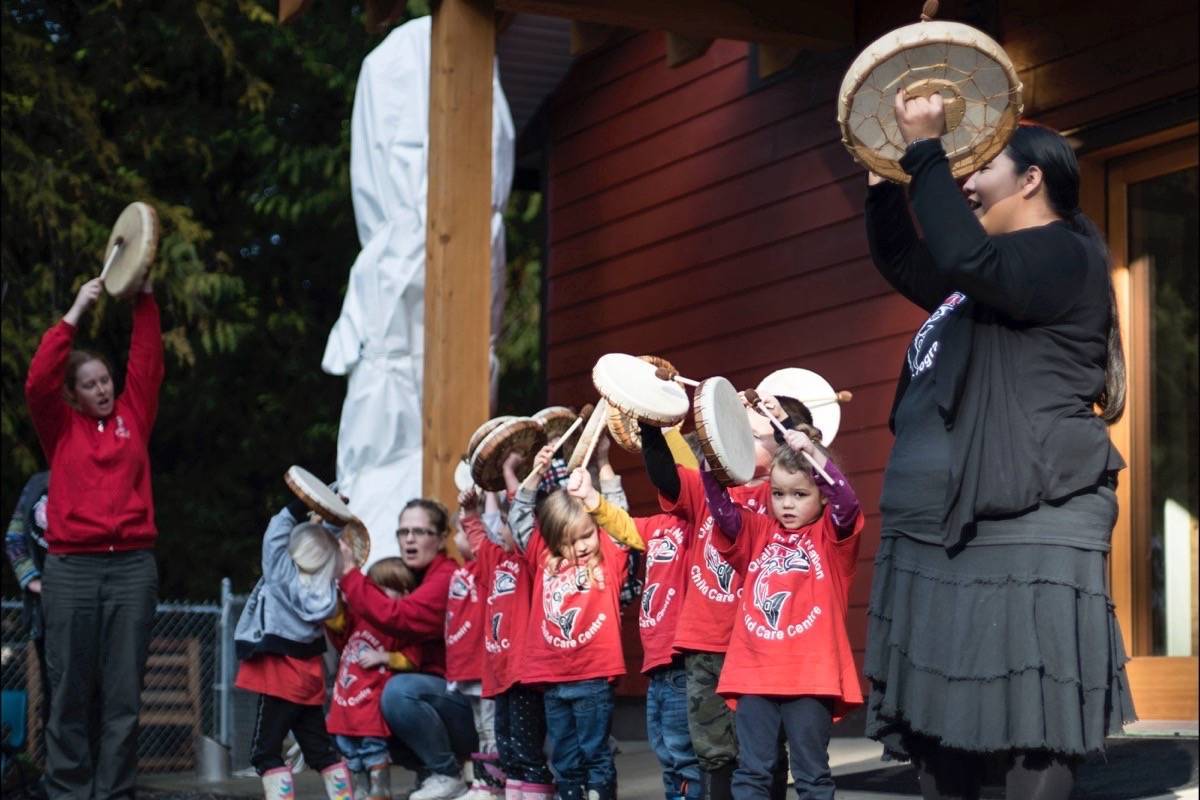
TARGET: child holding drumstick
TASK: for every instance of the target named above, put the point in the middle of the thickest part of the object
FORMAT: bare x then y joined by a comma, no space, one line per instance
573,640
789,664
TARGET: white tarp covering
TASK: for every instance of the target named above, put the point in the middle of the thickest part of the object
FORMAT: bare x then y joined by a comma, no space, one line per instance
379,338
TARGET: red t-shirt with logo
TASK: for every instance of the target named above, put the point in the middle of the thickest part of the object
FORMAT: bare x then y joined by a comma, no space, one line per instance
504,581
354,708
666,538
713,586
574,630
790,638
464,625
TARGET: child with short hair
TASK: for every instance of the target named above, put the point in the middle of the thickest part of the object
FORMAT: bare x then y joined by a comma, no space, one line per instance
573,639
369,656
280,639
789,665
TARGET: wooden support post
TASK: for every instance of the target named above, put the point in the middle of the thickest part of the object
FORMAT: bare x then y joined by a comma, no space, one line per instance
458,237
682,49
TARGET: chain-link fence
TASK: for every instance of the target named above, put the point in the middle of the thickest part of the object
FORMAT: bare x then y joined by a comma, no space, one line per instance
187,691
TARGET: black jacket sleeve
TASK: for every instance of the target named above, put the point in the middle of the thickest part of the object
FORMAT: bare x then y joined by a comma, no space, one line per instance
660,464
899,255
1031,275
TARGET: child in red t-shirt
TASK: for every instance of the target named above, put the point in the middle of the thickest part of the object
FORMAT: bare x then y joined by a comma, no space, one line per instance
280,638
465,650
573,639
369,656
789,665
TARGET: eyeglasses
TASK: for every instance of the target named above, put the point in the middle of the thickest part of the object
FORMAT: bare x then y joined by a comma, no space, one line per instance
402,533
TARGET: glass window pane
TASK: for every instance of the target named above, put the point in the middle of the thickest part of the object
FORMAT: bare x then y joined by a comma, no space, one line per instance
1163,227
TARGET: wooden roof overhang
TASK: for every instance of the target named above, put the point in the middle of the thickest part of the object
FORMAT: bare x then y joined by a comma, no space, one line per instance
458,234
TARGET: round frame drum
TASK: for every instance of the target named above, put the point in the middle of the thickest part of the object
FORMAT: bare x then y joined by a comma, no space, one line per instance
811,389
135,239
523,435
974,75
630,385
317,496
593,428
724,432
482,431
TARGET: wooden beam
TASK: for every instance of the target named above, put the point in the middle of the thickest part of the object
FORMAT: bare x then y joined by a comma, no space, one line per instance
587,36
811,24
774,58
458,237
682,49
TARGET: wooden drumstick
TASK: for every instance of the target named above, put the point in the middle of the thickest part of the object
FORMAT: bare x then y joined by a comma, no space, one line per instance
843,396
108,262
567,434
587,456
667,375
756,401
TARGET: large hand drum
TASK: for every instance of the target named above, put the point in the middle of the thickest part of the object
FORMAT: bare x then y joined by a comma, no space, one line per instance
811,389
629,384
321,499
975,77
622,427
130,251
482,431
522,435
724,432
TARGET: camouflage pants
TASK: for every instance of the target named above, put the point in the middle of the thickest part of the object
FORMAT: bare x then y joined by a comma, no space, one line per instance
710,722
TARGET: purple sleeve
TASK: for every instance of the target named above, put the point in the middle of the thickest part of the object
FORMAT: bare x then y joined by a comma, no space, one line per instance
726,512
841,498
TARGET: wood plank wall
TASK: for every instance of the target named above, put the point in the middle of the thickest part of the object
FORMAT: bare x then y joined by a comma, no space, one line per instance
696,215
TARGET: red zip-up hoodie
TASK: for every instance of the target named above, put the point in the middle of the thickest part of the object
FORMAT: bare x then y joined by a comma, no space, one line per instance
100,496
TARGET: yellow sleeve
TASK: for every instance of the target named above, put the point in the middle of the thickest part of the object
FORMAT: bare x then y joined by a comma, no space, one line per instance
683,454
398,662
618,523
337,623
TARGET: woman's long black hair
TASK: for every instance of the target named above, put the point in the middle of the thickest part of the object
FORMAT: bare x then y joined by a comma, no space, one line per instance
1034,145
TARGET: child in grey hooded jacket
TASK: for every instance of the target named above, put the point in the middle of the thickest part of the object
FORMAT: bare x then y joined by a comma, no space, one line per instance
280,639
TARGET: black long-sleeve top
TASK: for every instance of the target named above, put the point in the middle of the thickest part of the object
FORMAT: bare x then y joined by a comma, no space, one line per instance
1021,360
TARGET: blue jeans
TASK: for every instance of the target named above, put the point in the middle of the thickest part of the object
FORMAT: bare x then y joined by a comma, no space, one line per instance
362,752
579,719
435,728
807,721
667,728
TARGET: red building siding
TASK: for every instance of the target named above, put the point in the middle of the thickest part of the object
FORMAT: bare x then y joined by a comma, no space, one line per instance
718,224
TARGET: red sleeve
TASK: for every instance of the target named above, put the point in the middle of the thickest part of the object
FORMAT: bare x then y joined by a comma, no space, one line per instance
741,550
476,531
535,550
44,385
844,550
144,373
691,494
416,617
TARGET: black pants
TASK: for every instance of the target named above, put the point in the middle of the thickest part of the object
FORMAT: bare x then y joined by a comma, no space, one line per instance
307,723
807,722
1029,775
99,610
521,735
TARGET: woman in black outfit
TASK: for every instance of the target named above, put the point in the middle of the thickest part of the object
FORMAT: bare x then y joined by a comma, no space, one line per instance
992,645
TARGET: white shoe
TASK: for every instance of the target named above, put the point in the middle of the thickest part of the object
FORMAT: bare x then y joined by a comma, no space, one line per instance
480,791
439,787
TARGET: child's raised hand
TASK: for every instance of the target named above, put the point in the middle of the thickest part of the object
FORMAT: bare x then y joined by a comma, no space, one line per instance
579,486
771,404
603,443
799,441
511,462
468,500
541,462
348,563
371,657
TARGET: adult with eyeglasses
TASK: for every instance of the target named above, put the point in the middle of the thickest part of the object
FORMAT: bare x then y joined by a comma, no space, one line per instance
433,728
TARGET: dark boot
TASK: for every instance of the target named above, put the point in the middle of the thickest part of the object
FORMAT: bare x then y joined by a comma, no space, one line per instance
718,783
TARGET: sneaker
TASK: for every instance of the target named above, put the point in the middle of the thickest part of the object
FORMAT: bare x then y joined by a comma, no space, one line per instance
481,791
439,787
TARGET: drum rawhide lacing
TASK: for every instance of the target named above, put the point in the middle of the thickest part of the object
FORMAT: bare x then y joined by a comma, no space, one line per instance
972,73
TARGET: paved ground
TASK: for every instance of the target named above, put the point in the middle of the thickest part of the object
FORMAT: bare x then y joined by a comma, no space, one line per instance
1144,767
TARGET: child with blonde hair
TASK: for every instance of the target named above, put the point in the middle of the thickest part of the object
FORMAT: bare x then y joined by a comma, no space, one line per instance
280,638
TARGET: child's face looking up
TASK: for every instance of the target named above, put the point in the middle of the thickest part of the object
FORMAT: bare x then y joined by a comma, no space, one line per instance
795,500
582,541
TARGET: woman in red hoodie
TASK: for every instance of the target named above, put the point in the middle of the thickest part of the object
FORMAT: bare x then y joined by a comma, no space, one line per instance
100,581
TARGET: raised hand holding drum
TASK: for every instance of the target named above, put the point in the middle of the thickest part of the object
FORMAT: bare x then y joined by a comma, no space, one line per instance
974,75
130,251
724,432
325,502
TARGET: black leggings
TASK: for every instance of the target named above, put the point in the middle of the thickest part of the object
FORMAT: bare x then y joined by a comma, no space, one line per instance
1028,775
307,723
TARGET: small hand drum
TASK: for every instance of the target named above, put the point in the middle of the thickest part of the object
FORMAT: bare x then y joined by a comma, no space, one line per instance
630,385
622,427
482,431
130,251
970,70
321,499
522,435
724,432
811,389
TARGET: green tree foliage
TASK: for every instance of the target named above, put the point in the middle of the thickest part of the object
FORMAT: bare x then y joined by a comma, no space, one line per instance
522,384
237,131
